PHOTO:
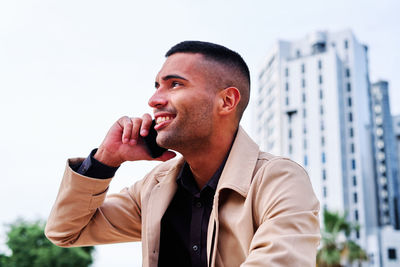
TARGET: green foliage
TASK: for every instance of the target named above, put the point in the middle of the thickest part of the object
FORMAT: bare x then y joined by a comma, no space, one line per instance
336,245
31,248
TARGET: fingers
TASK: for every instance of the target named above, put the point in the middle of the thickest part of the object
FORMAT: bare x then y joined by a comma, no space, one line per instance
126,125
146,123
131,127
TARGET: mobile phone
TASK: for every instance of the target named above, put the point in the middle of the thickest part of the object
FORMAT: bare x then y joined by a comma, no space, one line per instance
154,149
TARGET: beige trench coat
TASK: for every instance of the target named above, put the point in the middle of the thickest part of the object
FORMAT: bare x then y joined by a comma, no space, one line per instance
265,212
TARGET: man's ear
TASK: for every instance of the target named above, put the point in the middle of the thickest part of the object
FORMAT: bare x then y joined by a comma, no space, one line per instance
228,100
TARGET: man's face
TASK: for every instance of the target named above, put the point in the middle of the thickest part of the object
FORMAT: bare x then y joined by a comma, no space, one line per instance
183,103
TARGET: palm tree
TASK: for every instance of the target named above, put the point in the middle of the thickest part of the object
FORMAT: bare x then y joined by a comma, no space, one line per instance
336,247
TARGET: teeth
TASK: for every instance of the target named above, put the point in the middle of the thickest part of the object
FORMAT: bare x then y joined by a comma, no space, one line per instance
162,119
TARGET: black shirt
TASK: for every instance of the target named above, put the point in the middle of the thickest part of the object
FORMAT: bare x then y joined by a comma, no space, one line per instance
183,240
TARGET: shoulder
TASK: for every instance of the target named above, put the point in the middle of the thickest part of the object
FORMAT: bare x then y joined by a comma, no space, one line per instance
268,164
281,180
281,187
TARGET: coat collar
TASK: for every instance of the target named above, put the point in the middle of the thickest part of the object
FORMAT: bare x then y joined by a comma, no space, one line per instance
240,165
170,175
238,170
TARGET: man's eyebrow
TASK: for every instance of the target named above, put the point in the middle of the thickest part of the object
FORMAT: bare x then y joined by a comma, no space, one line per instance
168,77
173,76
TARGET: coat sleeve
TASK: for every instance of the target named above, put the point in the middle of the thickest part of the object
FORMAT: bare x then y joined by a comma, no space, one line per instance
287,209
82,215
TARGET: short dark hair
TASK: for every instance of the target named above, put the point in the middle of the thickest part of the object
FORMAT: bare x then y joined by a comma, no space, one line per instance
221,55
212,51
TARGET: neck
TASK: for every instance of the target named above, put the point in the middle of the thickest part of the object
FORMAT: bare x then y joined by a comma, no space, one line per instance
205,161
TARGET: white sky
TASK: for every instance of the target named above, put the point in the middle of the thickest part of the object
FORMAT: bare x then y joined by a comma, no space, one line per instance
69,69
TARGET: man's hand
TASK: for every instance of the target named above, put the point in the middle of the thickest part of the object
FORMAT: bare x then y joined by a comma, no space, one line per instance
124,142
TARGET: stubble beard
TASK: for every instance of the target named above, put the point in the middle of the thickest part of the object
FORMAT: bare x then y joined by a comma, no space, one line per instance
191,130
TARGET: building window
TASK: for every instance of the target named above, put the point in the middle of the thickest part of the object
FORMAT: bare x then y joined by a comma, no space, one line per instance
319,64
304,97
352,148
378,108
290,133
386,214
290,149
381,145
320,79
349,102
322,126
323,157
379,132
321,94
356,215
304,113
286,72
353,164
325,192
303,68
378,120
305,144
358,233
355,197
298,53
305,160
346,44
303,83
287,101
350,116
323,174
351,132
354,180
348,87
392,255
321,110
287,86
322,141
347,72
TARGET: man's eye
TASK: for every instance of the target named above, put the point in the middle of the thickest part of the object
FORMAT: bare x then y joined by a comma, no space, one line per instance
175,84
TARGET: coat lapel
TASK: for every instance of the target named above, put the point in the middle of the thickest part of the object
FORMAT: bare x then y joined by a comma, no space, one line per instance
160,197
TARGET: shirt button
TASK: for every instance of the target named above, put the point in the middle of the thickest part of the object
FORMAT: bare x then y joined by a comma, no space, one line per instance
195,248
198,204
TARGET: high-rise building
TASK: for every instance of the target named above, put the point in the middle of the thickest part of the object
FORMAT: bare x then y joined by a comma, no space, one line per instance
386,174
314,107
386,163
396,130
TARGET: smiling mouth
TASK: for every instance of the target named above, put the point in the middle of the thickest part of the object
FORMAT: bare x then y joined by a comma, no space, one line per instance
162,121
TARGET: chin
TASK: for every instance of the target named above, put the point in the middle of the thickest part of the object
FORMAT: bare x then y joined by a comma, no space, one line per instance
163,140
169,141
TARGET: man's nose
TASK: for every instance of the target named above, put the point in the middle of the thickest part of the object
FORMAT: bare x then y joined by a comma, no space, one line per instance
158,99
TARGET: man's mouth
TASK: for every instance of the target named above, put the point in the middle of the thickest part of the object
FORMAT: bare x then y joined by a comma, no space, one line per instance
162,120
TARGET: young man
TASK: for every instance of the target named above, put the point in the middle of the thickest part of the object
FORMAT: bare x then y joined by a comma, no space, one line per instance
224,203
